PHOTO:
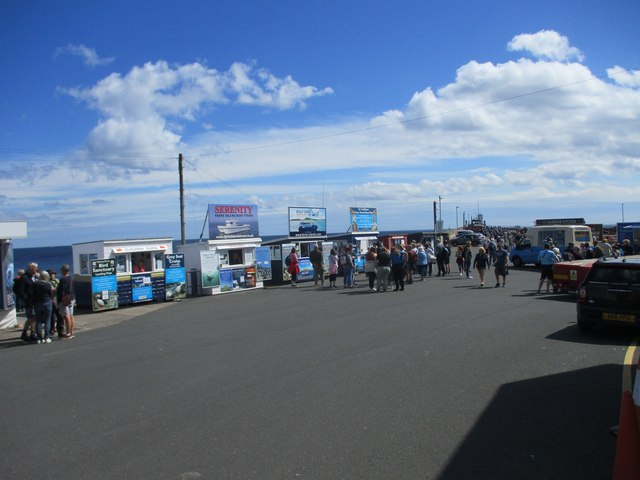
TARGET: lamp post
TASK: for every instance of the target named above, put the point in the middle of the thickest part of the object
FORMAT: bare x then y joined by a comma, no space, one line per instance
457,217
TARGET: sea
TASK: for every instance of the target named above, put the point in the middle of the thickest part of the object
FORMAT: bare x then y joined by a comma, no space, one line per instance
47,258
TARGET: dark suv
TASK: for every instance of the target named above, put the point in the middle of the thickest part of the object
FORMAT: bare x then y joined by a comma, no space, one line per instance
474,238
610,293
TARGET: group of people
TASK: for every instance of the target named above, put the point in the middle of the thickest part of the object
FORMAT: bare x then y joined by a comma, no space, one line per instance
401,265
47,302
598,249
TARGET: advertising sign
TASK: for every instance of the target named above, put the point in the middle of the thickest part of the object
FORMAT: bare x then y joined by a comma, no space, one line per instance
263,264
210,267
104,284
233,221
226,280
364,219
6,282
141,287
559,221
307,222
175,276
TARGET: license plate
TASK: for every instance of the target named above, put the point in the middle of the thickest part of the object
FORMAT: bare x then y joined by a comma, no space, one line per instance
619,317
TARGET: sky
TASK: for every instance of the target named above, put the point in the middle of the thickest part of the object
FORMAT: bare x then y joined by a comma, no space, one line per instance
515,110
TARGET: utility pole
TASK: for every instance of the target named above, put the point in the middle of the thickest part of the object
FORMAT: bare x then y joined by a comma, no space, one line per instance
457,216
182,224
440,213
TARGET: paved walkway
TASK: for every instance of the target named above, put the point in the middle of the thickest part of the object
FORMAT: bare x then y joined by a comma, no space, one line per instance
88,320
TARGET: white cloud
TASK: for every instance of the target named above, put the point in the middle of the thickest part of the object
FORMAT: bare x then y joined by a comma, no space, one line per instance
626,78
89,55
546,44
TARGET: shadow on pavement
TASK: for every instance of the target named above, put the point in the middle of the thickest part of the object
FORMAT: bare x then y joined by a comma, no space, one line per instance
600,335
531,431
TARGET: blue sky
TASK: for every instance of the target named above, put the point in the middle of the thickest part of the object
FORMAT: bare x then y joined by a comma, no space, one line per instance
522,110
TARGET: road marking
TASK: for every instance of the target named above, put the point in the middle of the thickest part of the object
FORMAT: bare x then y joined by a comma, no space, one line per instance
630,365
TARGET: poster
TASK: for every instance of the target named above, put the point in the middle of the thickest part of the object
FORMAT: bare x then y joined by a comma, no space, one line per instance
364,219
175,276
307,222
263,264
210,267
226,280
306,269
250,277
7,301
104,284
141,287
233,221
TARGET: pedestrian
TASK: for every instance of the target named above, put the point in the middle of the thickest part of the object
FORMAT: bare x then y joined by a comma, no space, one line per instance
546,259
57,324
333,268
440,257
423,261
383,270
466,257
398,263
412,258
29,328
447,258
370,266
500,264
481,263
431,258
66,301
347,268
17,291
293,267
42,296
460,259
317,262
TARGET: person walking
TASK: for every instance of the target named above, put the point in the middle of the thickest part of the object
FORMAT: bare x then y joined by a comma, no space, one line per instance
42,299
460,259
28,278
17,291
500,264
66,301
293,267
57,324
423,261
383,270
481,263
546,259
466,257
317,262
398,263
370,266
333,268
347,268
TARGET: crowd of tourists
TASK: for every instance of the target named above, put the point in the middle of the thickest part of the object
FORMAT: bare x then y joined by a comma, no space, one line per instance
47,303
393,269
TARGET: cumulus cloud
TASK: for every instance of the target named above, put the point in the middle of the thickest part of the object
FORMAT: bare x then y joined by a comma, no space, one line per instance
627,78
142,110
88,55
546,44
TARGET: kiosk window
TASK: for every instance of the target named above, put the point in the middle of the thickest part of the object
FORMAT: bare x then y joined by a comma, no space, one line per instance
159,261
122,263
141,262
235,257
85,262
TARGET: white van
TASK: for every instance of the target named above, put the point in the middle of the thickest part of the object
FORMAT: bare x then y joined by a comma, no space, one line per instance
526,251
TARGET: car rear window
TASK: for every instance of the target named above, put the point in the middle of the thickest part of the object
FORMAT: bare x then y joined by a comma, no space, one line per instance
615,275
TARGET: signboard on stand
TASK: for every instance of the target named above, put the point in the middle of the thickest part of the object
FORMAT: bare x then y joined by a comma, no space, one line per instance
263,264
141,287
233,221
307,222
175,276
364,219
104,285
210,268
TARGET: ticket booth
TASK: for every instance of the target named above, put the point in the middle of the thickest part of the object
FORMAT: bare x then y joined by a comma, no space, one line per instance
8,232
139,268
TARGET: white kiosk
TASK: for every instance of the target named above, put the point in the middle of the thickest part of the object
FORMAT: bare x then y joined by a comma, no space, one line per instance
233,258
140,268
8,232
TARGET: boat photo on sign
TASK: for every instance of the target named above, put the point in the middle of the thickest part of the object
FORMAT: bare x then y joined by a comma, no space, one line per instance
233,221
307,222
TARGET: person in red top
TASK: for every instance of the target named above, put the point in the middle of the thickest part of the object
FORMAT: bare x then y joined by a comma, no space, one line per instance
293,268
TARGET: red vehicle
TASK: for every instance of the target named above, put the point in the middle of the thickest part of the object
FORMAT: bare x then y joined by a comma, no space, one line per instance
568,275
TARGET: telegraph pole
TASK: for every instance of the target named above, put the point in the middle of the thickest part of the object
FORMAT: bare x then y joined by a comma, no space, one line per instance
182,224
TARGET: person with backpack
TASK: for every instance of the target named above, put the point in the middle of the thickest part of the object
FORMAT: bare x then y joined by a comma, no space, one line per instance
398,263
293,268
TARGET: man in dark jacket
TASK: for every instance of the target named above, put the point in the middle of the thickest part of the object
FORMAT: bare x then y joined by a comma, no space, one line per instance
26,286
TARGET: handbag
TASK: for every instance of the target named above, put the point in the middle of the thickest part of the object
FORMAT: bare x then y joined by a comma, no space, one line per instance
431,258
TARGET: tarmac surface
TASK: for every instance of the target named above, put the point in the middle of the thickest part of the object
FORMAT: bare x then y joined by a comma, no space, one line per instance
445,381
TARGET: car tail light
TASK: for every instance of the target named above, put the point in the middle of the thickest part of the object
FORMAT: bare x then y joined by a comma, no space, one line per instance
582,295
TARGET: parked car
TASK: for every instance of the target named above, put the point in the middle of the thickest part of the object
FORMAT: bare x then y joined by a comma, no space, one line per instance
474,238
610,294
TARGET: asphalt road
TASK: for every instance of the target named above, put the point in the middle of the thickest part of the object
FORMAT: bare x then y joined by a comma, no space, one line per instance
442,381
